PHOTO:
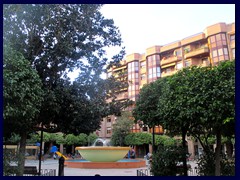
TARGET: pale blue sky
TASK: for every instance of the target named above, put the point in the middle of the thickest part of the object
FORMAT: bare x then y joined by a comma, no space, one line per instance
146,25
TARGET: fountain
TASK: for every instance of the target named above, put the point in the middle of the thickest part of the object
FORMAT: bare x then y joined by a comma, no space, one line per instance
102,151
102,155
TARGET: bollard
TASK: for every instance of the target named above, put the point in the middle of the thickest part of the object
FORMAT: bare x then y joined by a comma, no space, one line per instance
61,166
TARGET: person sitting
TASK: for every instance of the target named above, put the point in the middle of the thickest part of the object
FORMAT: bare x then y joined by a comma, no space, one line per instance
132,155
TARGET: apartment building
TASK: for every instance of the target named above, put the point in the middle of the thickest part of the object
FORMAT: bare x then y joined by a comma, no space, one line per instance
215,44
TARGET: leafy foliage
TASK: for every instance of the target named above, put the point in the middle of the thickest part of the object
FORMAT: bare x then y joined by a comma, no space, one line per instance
22,93
138,138
121,129
146,105
198,101
206,165
56,39
164,161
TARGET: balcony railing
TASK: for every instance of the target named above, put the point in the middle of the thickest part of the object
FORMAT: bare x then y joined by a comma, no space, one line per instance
122,96
196,52
170,60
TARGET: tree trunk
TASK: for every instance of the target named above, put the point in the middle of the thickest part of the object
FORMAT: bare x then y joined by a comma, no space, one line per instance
217,154
73,149
229,148
184,133
21,157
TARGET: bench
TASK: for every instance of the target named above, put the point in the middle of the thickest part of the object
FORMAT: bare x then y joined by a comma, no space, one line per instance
30,170
27,170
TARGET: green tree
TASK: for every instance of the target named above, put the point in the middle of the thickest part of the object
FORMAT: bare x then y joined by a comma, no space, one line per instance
82,139
146,108
56,39
60,139
71,140
91,138
121,128
136,139
55,44
191,100
22,97
220,113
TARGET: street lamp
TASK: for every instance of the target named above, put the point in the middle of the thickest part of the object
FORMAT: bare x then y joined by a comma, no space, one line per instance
155,130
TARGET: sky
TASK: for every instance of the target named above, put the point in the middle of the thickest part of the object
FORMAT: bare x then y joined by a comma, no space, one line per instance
146,25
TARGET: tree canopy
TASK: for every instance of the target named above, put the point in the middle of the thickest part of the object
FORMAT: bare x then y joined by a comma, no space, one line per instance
198,101
56,39
121,129
22,93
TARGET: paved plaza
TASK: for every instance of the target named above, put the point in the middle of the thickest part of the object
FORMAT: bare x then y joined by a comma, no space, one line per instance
53,164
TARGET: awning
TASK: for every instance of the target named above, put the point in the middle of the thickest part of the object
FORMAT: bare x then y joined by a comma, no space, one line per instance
168,65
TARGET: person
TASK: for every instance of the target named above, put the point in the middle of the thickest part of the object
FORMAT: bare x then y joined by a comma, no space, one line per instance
132,154
149,156
54,156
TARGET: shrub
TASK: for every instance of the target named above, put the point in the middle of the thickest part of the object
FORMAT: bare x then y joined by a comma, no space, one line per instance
164,161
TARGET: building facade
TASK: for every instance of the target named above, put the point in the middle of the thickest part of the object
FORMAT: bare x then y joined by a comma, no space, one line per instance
215,44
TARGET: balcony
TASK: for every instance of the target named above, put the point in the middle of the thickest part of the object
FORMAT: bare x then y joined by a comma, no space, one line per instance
122,96
197,52
170,60
164,74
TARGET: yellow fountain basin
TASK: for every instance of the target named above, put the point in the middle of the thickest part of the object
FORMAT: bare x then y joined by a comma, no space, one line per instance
103,153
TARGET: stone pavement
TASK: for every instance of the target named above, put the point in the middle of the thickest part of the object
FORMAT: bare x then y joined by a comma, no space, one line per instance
53,164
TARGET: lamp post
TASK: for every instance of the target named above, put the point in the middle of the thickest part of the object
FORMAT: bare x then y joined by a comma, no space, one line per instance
40,153
157,129
153,140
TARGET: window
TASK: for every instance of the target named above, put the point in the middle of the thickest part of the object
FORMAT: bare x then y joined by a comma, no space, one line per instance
214,53
218,37
220,52
179,65
205,61
143,64
223,37
212,39
187,63
232,37
108,130
225,50
233,53
178,52
168,70
108,119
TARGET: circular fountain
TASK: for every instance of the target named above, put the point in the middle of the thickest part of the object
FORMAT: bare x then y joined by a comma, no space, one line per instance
102,155
102,151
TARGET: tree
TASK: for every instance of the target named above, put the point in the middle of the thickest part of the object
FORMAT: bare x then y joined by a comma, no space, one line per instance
56,39
146,108
82,139
191,100
22,96
54,44
71,140
221,109
147,104
121,129
91,138
136,139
